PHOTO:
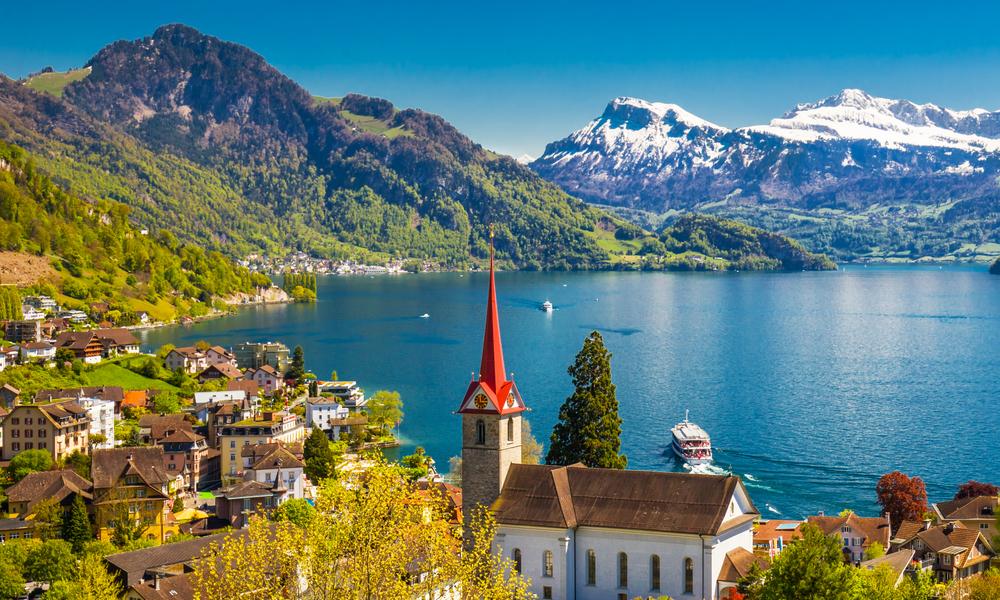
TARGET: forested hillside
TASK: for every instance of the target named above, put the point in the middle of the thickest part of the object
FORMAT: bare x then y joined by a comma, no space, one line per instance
97,254
204,138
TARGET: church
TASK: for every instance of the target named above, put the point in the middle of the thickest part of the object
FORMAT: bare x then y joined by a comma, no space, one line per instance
580,533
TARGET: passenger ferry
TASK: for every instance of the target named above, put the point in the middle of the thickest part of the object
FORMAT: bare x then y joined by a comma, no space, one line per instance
547,306
691,443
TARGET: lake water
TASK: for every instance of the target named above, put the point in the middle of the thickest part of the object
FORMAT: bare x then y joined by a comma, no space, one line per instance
811,384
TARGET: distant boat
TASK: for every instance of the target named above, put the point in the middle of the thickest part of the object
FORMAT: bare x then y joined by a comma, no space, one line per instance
691,443
547,306
425,316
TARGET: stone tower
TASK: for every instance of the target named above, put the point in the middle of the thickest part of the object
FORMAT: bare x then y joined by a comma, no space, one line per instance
491,418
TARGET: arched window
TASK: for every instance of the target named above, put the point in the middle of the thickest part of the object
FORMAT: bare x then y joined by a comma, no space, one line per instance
516,555
510,430
547,564
688,576
591,567
654,573
622,570
480,432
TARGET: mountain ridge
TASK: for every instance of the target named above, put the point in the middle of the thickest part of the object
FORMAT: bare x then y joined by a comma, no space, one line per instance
851,153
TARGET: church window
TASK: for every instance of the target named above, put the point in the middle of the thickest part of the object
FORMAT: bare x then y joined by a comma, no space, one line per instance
547,592
510,430
547,564
591,567
654,573
480,432
622,570
516,555
688,576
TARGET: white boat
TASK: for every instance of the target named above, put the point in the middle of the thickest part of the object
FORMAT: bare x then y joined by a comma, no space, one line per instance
691,443
547,306
425,316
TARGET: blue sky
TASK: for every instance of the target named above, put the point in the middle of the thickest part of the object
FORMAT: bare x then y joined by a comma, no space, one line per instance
515,76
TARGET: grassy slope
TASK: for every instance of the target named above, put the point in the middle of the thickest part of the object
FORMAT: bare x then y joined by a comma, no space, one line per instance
113,374
54,83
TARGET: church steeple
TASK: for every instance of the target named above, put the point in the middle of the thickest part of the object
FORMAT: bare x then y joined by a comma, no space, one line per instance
491,369
491,416
492,384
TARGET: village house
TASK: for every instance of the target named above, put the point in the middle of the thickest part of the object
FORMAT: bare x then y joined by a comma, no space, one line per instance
153,429
223,370
581,533
332,417
217,355
949,551
204,402
267,379
62,486
221,414
899,562
237,502
269,427
117,341
37,352
16,529
8,395
11,355
771,537
186,358
972,513
133,399
857,533
189,461
85,345
161,563
130,484
277,466
59,428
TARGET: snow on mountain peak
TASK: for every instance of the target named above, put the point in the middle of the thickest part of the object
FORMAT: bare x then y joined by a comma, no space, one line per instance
657,111
853,114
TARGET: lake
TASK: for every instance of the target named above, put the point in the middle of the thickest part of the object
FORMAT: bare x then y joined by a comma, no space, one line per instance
812,385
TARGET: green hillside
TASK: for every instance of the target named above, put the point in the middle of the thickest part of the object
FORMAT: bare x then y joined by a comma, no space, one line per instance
54,82
97,255
204,138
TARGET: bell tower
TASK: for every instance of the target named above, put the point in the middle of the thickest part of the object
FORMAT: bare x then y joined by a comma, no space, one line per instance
491,417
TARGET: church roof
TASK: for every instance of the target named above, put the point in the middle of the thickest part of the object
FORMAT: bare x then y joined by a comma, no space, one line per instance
500,392
573,496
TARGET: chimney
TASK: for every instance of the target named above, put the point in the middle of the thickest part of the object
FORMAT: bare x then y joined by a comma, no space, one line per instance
927,524
156,581
821,514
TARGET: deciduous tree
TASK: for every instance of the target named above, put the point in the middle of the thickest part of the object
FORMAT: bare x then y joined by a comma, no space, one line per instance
385,410
813,567
903,497
589,428
28,461
974,489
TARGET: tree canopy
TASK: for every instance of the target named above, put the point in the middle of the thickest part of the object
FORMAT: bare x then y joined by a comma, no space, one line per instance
589,428
903,497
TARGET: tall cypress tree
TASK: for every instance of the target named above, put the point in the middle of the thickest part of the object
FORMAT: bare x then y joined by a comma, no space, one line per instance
589,428
76,526
319,457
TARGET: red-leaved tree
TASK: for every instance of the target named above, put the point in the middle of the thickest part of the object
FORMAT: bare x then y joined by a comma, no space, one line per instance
974,489
903,497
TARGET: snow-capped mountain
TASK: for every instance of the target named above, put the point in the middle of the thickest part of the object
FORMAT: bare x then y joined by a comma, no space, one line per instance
848,150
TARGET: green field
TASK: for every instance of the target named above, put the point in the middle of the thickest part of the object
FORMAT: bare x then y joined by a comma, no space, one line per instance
376,126
113,374
54,83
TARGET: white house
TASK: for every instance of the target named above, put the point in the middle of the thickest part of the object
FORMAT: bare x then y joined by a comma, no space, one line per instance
102,419
320,411
187,358
37,351
218,355
585,534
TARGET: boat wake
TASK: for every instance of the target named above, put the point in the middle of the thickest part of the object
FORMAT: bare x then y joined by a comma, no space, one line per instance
708,469
749,477
772,509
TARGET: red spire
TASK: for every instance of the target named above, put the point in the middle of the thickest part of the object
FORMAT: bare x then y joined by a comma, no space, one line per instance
491,369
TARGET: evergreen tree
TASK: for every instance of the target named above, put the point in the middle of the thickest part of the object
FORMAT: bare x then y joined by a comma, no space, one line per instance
589,428
76,526
318,456
298,366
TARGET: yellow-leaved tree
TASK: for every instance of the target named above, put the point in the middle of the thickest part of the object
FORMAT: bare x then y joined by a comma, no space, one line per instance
374,536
